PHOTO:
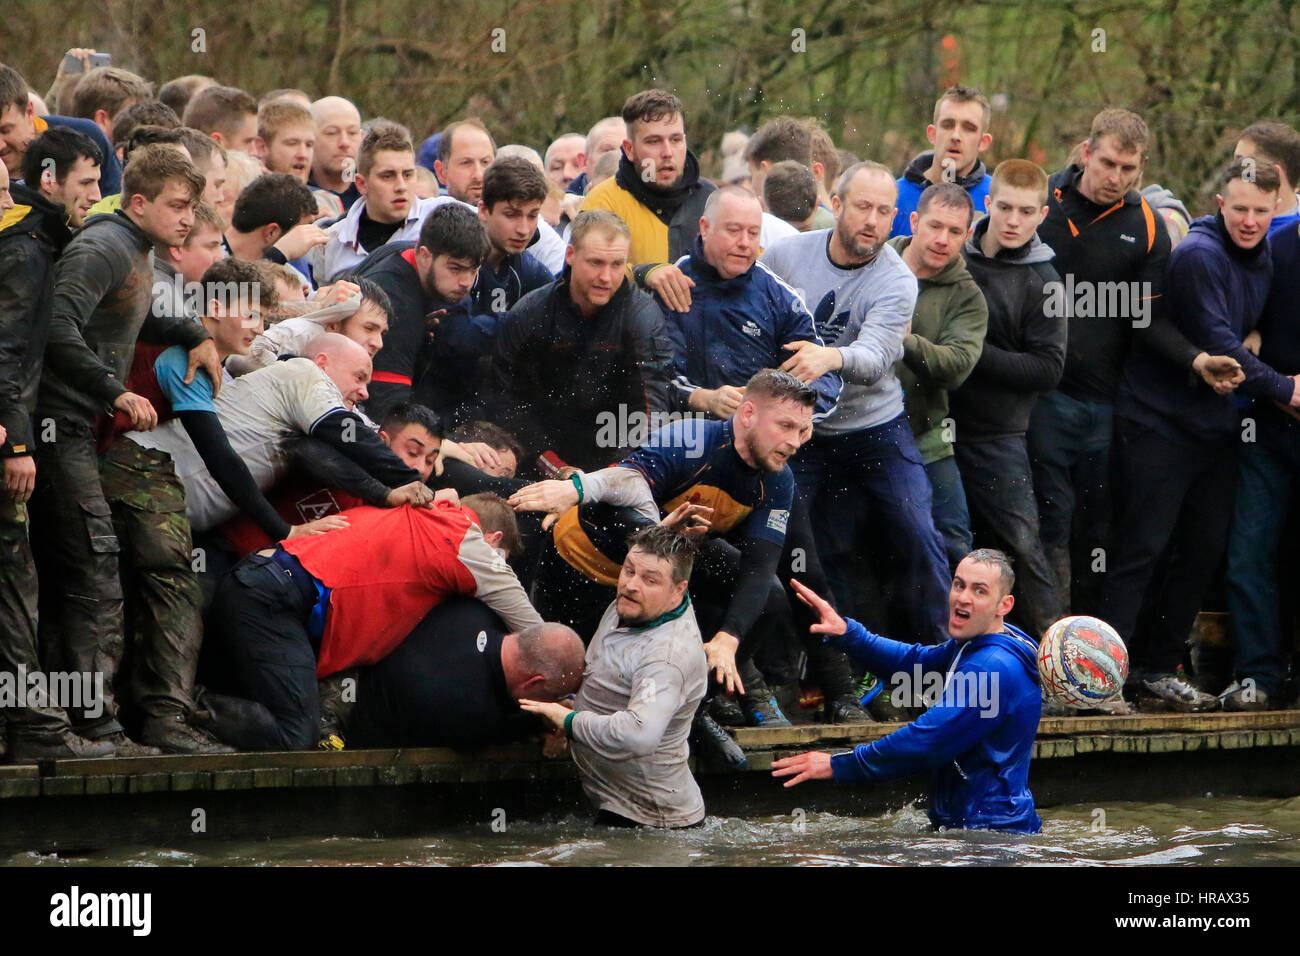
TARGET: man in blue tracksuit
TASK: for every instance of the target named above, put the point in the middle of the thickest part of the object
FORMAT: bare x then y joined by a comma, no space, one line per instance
978,735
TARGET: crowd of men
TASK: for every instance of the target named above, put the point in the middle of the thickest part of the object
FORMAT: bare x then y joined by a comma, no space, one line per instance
317,434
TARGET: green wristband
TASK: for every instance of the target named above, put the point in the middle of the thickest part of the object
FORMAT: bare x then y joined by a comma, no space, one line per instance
576,478
568,723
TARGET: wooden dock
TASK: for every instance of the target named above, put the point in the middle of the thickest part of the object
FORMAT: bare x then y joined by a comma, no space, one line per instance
84,805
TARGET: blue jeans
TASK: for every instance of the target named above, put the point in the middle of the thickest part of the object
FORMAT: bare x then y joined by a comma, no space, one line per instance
883,464
951,514
1268,471
1069,449
996,476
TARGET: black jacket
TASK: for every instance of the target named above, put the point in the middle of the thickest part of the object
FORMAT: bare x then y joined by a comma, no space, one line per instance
32,235
579,387
103,293
1024,348
1125,243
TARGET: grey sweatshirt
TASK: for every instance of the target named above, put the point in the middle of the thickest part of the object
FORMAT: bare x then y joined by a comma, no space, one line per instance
639,694
863,312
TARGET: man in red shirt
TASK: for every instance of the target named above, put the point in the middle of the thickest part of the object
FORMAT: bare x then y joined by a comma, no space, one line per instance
309,608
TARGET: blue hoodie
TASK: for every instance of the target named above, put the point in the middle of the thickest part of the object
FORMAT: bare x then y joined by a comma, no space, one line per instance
977,739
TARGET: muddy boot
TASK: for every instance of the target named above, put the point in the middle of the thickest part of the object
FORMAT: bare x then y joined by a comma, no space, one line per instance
174,735
708,737
61,746
124,746
758,703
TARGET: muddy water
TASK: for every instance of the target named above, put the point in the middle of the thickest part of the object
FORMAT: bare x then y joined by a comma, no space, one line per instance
1192,832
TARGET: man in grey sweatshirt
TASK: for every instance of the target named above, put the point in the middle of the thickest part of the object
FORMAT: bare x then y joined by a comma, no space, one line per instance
646,675
864,298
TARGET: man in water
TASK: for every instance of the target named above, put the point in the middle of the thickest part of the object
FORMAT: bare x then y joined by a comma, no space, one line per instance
978,736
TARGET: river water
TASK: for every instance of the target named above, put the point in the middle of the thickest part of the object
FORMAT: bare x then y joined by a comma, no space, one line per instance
1192,832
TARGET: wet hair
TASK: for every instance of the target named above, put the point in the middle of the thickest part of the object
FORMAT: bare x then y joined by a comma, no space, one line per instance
278,198
1019,174
107,88
963,94
648,106
513,179
495,515
1263,175
994,558
1278,143
454,230
1127,128
389,138
413,413
494,436
670,545
219,109
790,191
783,138
143,113
151,167
779,386
946,194
445,142
62,146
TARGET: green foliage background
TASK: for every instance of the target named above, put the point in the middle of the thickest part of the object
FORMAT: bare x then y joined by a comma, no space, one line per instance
1197,70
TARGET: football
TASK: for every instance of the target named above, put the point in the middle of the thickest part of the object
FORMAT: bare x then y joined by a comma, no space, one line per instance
1082,661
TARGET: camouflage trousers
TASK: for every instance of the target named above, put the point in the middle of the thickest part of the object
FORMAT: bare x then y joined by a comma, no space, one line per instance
163,598
18,617
76,555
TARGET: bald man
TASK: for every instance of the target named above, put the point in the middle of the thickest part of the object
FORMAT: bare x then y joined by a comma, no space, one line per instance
314,396
565,159
338,138
457,678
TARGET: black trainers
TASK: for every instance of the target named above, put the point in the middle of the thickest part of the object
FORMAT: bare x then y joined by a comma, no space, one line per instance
707,736
758,702
847,710
726,711
62,746
124,746
175,735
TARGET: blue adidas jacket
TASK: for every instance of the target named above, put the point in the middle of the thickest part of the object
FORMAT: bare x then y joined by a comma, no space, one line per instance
977,739
737,327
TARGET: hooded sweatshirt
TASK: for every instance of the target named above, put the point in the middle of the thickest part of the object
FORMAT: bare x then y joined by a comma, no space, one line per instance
913,182
1215,293
1024,347
947,334
976,739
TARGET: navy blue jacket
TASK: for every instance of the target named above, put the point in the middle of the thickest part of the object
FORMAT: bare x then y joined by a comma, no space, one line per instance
496,290
976,739
1279,326
1215,293
737,327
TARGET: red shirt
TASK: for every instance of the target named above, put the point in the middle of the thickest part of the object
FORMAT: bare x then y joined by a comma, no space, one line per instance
391,566
297,502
